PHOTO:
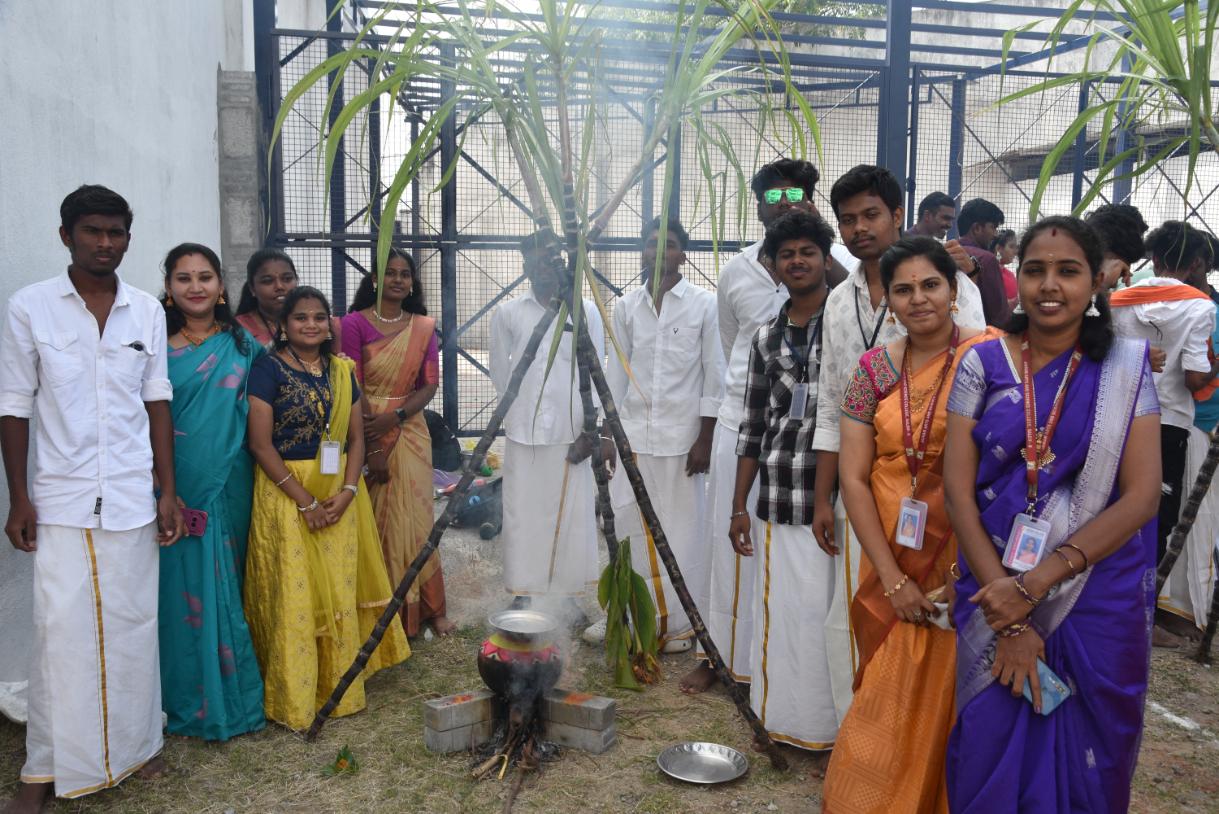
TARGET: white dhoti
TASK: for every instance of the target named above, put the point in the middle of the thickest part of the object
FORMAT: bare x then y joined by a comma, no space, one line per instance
1190,587
728,595
791,673
95,682
839,638
545,553
680,503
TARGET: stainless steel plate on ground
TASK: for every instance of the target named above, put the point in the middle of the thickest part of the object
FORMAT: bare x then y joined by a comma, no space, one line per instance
524,625
698,762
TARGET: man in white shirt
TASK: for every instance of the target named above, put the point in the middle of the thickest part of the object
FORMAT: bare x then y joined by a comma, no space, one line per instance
86,354
1177,318
748,296
867,202
668,403
550,528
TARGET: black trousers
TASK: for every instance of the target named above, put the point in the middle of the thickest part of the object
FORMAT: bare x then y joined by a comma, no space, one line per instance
1173,443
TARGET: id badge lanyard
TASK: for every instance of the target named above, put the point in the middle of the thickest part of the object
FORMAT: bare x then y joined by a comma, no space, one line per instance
915,454
798,408
327,447
1036,452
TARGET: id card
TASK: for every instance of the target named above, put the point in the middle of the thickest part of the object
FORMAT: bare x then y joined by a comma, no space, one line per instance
330,457
799,401
911,523
1026,544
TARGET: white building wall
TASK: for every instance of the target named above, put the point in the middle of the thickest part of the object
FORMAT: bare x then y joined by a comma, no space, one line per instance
114,92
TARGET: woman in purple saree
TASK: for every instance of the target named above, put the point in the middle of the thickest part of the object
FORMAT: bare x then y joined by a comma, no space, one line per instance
1086,608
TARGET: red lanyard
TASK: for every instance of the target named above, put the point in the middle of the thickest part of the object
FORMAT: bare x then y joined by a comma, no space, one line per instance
914,455
1037,442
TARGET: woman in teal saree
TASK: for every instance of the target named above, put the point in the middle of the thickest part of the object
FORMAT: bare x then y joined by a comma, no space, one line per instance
210,684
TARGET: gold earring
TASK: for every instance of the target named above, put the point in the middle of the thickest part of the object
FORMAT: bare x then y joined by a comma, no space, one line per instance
953,307
222,300
892,320
169,300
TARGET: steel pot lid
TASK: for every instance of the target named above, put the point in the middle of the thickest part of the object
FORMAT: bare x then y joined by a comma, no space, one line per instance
524,624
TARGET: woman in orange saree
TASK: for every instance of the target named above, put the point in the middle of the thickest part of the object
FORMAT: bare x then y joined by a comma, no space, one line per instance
889,755
394,346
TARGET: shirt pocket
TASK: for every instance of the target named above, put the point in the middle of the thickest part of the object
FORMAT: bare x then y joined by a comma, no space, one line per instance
129,360
59,357
684,336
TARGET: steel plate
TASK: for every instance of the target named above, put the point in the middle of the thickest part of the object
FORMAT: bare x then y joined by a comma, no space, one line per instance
524,624
698,762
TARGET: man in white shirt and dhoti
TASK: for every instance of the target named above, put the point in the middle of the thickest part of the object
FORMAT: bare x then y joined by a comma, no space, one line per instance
668,403
550,528
86,355
748,296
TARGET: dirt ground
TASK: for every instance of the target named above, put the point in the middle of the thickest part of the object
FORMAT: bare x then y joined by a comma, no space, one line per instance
276,771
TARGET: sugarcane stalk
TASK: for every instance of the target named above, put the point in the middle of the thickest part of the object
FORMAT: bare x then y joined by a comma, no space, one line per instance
589,359
473,464
1176,542
1203,656
604,505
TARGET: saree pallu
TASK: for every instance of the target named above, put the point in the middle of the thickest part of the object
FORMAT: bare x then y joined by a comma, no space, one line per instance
403,507
1003,756
313,597
210,684
890,751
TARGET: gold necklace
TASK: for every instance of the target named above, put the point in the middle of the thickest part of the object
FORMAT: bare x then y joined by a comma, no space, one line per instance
314,368
212,330
398,318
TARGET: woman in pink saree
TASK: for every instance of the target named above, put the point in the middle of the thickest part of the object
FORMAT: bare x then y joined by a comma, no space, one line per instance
393,343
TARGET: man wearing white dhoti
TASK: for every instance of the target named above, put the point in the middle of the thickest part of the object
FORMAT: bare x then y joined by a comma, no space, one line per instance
867,203
794,581
748,295
550,527
86,355
668,405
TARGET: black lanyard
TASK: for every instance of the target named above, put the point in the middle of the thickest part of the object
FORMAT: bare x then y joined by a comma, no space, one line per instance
324,395
880,320
814,342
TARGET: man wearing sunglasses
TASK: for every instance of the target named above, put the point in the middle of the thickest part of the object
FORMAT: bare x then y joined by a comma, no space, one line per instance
748,296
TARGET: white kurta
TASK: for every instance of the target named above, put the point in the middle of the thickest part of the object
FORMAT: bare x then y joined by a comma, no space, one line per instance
1190,587
95,686
794,584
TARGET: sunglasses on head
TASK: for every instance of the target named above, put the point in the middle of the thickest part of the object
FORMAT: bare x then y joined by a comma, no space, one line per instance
794,195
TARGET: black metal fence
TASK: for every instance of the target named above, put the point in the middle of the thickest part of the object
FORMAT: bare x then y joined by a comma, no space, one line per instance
463,234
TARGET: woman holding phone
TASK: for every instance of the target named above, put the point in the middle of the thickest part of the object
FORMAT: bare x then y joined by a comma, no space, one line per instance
210,685
1053,433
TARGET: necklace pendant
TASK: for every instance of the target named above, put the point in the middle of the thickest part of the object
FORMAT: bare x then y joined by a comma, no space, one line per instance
1046,456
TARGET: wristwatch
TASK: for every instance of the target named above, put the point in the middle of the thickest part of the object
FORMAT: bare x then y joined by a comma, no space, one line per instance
401,413
977,267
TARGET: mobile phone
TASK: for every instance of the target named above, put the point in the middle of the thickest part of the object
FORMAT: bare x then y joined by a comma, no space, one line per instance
1053,689
196,522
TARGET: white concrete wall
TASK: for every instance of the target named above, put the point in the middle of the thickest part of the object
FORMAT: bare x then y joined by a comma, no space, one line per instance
115,92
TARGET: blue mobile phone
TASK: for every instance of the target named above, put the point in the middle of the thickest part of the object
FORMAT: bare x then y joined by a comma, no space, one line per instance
1053,689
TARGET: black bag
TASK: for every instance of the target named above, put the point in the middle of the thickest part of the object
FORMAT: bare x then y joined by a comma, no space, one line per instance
483,508
446,451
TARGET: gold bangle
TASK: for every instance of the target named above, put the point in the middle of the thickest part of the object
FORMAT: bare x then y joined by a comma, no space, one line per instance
1067,560
905,578
283,480
1025,592
1081,553
1013,630
954,571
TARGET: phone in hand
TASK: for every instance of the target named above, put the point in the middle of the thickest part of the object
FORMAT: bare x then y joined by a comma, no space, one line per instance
196,522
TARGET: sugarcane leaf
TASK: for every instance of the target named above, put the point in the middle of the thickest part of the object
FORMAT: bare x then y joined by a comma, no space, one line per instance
603,586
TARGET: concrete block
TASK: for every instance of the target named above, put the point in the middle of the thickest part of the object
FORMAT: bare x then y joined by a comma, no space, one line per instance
594,741
459,739
460,710
579,709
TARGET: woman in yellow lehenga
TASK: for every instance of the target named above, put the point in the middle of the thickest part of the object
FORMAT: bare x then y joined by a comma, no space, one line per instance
315,582
394,346
889,755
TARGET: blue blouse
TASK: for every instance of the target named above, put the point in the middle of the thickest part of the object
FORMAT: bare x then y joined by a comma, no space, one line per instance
299,401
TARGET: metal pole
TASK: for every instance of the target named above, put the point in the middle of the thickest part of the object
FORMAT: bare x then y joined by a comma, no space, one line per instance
646,204
1081,150
266,70
1122,187
912,170
338,177
894,108
674,158
448,250
374,176
416,220
956,145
